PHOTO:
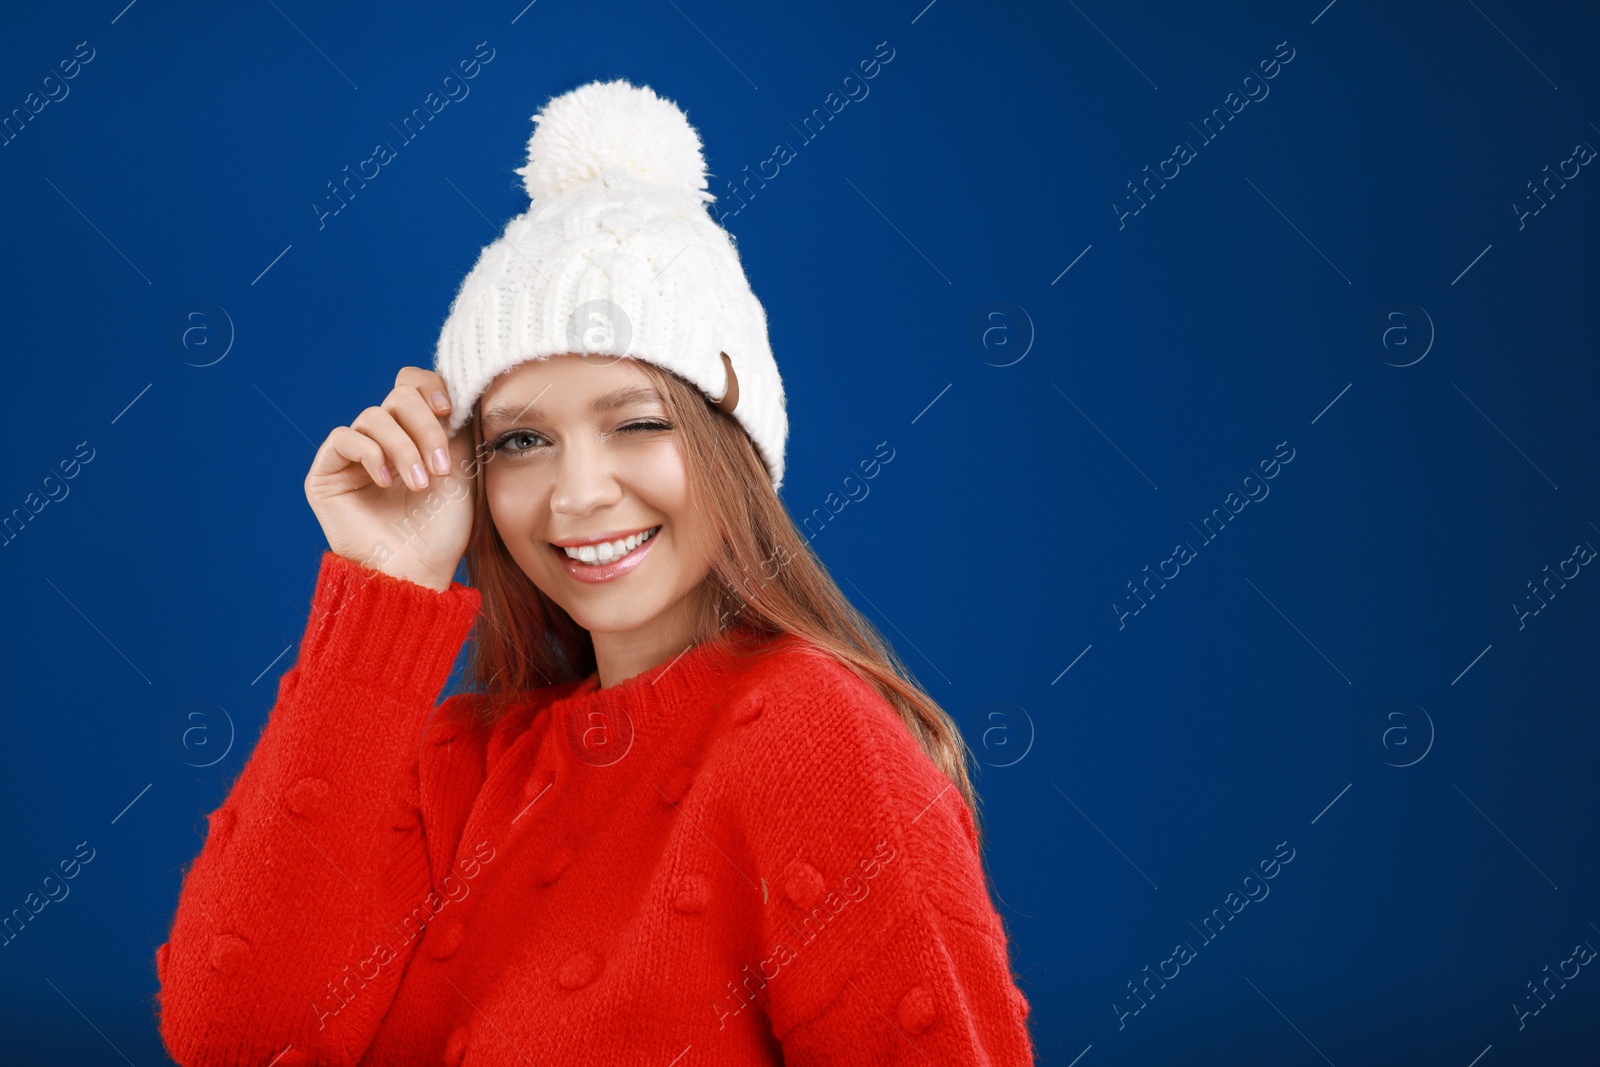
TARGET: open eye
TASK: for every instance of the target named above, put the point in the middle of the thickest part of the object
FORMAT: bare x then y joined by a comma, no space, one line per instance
502,443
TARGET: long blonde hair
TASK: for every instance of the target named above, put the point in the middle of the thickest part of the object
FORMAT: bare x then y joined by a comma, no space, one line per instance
523,640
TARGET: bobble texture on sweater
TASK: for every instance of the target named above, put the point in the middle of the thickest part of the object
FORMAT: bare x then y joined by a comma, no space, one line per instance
725,859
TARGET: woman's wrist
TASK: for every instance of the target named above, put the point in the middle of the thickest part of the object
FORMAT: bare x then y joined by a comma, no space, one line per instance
432,581
415,575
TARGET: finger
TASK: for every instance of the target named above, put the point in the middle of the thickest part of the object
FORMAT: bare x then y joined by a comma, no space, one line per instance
345,448
429,385
354,447
398,447
426,429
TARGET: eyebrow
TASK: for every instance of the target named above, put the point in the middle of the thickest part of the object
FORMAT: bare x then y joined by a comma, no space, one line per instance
617,398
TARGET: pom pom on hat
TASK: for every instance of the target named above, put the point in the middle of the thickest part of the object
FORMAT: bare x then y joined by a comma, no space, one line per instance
612,126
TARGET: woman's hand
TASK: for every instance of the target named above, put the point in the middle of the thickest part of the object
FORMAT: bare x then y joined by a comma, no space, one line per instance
390,489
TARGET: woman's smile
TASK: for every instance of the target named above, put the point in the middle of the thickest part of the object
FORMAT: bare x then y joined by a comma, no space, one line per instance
591,560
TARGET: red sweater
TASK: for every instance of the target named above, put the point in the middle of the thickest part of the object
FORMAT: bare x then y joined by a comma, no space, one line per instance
717,861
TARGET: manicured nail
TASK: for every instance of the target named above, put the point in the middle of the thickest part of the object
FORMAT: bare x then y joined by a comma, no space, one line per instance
419,477
441,461
385,476
440,401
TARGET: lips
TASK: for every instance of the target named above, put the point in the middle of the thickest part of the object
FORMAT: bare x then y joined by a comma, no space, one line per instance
595,573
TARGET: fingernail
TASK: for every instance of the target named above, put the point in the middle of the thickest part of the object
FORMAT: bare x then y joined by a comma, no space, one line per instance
440,401
385,476
441,461
419,477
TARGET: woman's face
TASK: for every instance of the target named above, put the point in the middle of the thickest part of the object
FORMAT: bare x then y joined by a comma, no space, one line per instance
584,455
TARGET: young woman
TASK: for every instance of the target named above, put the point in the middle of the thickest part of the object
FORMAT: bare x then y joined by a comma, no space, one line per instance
691,810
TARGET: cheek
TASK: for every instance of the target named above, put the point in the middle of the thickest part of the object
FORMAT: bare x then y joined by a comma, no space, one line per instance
494,492
663,483
511,496
661,479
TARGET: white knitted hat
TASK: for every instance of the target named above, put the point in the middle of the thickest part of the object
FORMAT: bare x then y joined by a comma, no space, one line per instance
616,255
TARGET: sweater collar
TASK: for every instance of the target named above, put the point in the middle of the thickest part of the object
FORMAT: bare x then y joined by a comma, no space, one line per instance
599,727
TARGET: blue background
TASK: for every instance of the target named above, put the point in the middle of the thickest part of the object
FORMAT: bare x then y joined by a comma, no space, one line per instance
1342,270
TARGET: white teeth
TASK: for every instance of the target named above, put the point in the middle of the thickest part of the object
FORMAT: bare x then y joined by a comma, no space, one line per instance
610,550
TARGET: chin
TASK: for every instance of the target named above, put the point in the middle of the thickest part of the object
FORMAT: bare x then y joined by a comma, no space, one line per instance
630,617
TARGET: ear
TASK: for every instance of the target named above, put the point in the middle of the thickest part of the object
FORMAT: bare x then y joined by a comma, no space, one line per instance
730,395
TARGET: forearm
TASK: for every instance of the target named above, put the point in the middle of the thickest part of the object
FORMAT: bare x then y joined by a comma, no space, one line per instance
313,853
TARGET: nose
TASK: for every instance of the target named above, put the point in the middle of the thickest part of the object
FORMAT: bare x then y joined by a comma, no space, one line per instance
584,480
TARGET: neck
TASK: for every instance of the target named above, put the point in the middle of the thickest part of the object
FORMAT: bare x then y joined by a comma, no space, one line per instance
619,655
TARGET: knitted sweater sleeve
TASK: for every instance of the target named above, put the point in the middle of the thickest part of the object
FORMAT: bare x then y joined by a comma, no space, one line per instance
879,943
318,845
